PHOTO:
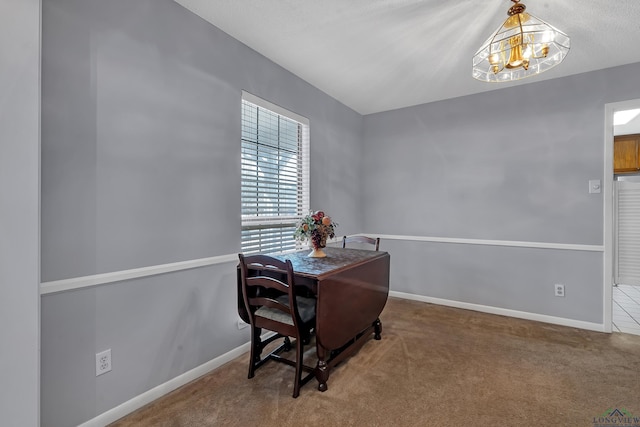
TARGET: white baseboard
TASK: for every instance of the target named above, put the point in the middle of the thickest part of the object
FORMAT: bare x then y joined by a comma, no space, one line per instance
149,396
598,327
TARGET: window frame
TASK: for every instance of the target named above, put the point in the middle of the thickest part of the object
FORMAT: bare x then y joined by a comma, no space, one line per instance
259,234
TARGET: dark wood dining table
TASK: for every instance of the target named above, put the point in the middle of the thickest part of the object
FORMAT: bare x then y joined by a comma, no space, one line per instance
351,287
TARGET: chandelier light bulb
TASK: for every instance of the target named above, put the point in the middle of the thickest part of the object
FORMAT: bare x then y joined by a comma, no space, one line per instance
547,36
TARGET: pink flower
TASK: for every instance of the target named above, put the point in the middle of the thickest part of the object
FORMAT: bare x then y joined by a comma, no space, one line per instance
317,217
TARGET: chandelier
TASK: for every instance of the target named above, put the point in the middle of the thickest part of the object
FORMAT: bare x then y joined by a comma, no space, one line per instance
523,46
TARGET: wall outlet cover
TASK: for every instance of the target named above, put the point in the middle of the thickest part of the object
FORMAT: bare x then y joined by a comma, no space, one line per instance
103,362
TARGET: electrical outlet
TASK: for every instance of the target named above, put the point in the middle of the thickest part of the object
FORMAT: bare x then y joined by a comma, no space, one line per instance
559,290
103,362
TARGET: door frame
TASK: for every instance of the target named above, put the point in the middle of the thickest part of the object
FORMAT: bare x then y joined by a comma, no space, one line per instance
608,200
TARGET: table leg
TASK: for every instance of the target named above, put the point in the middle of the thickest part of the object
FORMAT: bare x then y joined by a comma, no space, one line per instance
322,369
377,329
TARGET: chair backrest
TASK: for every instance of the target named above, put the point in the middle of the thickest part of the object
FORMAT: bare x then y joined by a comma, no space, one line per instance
269,293
361,239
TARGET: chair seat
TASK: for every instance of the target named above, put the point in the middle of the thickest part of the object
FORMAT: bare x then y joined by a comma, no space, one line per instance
306,309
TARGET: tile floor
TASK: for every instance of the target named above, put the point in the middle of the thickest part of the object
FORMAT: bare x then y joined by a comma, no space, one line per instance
626,309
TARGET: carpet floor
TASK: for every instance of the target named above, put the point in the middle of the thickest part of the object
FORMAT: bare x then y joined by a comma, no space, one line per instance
435,366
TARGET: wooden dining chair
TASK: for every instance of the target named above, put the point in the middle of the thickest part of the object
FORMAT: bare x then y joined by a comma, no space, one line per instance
361,239
272,303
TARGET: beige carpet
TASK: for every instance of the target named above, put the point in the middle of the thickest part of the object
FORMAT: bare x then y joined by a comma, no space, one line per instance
435,366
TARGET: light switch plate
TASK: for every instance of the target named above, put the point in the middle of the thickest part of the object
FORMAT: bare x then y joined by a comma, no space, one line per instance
594,186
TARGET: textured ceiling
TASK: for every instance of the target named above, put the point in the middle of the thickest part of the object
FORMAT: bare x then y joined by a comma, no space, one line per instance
379,55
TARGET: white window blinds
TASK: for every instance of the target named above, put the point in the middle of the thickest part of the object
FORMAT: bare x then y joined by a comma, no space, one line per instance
275,175
627,260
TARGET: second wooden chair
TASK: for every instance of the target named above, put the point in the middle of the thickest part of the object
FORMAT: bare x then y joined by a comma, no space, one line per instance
361,239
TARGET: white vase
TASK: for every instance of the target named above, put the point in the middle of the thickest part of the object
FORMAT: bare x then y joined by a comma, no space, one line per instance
317,253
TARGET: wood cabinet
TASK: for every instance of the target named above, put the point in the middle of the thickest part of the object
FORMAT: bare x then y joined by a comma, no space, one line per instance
626,153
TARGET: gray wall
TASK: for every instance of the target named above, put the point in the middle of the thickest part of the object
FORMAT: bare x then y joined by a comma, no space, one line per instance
19,212
511,164
141,167
140,126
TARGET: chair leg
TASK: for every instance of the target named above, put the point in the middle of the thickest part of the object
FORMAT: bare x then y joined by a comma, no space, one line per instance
298,379
255,351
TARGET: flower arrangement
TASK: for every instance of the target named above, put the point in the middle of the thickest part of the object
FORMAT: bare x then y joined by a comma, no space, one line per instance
315,228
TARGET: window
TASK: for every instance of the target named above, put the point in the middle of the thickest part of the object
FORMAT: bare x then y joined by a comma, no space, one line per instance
275,175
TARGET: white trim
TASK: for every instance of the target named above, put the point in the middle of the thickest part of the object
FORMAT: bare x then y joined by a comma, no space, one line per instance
511,243
157,392
117,276
607,208
273,107
503,312
608,232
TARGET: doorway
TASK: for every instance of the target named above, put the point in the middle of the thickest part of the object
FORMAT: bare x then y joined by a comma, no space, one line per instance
625,229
